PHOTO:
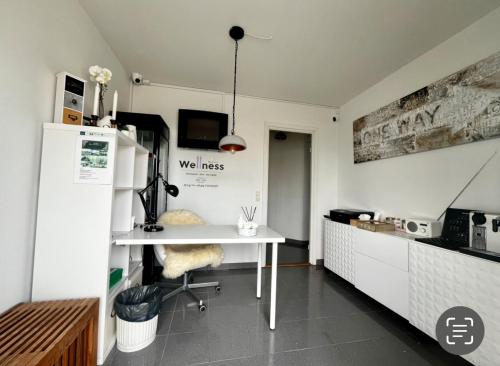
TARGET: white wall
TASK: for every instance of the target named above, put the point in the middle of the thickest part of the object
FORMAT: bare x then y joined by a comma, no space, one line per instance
39,39
289,185
423,184
243,177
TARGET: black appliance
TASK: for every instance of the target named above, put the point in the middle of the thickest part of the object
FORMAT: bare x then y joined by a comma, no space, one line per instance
201,129
152,133
455,232
344,216
485,254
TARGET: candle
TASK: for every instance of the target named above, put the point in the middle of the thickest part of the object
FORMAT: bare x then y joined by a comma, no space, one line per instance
115,103
96,100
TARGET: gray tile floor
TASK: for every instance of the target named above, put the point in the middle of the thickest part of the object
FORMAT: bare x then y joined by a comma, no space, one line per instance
321,320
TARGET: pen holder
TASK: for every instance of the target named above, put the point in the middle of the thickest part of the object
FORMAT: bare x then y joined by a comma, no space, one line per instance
247,231
247,227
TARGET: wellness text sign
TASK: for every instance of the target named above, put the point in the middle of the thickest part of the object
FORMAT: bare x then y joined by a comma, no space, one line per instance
200,173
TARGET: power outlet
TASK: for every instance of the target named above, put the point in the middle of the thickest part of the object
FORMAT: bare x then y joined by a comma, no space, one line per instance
257,196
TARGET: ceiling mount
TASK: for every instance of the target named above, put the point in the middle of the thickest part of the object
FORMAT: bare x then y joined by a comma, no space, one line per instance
236,33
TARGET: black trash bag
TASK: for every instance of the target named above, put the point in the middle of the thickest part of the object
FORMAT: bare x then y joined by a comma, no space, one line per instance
138,304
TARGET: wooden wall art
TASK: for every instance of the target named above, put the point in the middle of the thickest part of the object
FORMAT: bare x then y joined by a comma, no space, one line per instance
459,109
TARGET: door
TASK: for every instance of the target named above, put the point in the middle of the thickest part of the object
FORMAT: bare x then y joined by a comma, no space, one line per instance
289,194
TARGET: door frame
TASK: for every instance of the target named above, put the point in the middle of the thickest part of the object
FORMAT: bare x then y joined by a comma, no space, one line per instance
314,239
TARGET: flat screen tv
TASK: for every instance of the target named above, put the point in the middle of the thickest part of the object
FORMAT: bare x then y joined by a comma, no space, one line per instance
201,129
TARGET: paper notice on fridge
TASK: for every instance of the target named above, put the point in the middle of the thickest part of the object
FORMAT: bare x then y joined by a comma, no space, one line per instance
94,159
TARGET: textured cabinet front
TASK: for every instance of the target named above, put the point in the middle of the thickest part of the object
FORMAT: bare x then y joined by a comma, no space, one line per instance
441,279
385,248
338,249
385,283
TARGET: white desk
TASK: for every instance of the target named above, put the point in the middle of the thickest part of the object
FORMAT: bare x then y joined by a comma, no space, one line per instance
213,234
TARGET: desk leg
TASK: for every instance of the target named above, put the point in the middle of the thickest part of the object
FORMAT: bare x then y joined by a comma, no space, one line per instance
259,269
274,275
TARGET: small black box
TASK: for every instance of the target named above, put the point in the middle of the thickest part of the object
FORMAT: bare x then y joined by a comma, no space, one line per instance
344,216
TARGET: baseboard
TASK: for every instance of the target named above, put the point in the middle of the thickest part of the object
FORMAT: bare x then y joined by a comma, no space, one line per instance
320,262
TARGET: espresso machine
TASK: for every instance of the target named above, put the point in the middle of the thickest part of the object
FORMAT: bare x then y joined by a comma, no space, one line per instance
484,235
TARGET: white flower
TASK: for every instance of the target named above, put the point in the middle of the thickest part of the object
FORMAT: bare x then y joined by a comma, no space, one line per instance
106,73
95,70
100,75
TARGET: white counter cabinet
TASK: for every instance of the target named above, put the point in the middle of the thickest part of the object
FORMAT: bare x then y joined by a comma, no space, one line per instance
375,263
418,281
339,249
381,262
441,279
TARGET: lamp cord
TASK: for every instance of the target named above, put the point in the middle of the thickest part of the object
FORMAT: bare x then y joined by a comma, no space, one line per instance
234,81
257,36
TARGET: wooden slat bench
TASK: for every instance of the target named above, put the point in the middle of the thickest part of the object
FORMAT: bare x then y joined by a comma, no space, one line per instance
50,333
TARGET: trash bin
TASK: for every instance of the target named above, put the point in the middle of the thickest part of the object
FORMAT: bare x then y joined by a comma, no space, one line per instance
137,317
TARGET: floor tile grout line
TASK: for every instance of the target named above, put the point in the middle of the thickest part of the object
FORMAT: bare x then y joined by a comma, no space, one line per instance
332,317
168,331
223,360
282,352
173,314
326,345
267,301
297,349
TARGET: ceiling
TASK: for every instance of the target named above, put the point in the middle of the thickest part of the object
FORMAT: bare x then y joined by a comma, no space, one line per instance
323,51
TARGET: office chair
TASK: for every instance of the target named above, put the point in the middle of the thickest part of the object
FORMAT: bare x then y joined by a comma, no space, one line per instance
181,260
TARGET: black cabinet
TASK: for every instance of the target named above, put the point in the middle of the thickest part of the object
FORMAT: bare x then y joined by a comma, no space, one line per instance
152,133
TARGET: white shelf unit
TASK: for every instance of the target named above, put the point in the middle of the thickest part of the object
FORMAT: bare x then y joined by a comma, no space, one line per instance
74,251
122,210
140,170
125,163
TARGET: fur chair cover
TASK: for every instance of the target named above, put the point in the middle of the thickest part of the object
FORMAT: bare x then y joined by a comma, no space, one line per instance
182,258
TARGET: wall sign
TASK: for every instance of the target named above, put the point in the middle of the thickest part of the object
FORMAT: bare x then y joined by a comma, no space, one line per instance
201,173
459,109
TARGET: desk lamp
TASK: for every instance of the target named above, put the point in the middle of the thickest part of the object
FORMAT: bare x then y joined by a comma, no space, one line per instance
150,224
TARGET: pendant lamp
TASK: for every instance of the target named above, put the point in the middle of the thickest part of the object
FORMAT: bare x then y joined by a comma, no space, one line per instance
232,142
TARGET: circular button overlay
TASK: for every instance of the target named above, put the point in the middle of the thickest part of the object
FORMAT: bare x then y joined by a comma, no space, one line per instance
460,330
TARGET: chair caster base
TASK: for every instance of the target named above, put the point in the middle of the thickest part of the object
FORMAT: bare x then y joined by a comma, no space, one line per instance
202,308
217,289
